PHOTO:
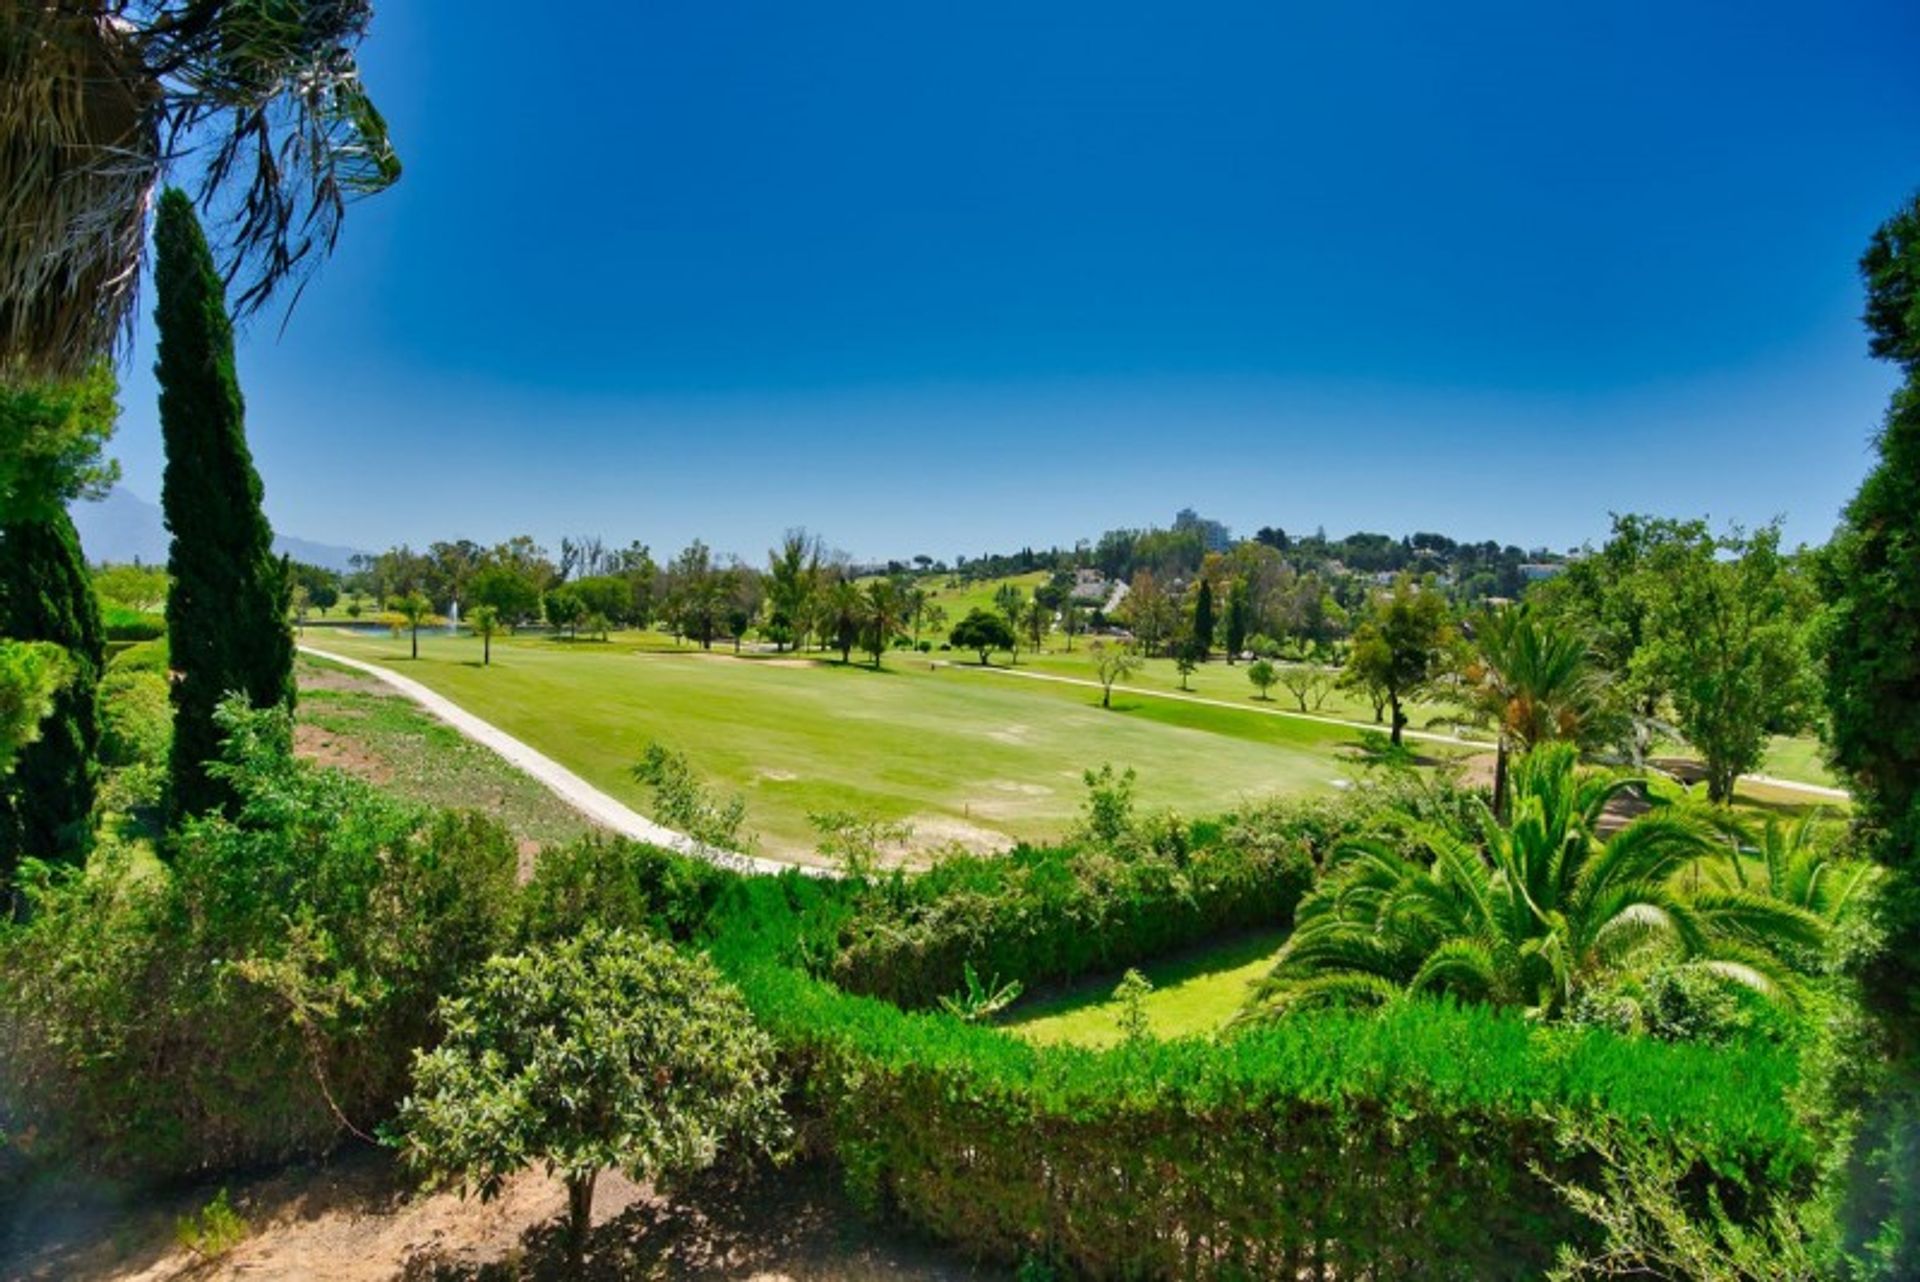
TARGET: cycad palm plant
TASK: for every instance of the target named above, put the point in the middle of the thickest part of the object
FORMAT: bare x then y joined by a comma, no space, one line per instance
1538,909
1798,867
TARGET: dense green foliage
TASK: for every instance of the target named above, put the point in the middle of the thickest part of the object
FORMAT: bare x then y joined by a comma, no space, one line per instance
1039,914
1871,576
1728,628
260,994
605,1050
51,438
1400,646
46,803
983,632
1412,1143
228,606
31,674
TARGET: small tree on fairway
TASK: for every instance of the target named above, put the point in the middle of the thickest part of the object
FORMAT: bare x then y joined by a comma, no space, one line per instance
1263,674
1305,681
415,609
982,633
565,609
1185,662
1401,647
1038,618
485,620
227,608
1073,620
606,1050
1111,663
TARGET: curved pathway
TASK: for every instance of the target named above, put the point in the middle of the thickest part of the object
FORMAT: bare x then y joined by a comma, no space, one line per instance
1428,736
564,784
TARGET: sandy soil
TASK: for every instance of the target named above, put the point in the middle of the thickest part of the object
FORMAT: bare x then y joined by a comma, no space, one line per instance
354,1219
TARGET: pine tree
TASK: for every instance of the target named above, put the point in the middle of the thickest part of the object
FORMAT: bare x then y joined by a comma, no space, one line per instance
227,610
1872,640
46,803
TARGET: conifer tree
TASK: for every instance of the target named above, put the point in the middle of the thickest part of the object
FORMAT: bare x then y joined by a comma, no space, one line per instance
1872,638
227,610
46,802
1203,621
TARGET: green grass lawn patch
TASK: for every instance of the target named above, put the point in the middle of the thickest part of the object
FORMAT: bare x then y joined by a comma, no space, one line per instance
970,758
1194,995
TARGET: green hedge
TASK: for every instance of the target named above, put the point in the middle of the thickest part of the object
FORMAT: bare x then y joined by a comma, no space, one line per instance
1056,913
1408,1144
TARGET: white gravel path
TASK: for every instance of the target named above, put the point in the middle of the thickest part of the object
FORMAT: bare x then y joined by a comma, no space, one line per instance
566,785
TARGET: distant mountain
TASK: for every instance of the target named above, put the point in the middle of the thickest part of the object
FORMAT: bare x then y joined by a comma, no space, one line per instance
125,527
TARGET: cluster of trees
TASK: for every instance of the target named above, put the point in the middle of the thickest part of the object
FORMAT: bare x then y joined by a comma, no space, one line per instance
226,596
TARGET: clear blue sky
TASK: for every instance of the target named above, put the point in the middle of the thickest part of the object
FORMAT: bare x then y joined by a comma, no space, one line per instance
956,278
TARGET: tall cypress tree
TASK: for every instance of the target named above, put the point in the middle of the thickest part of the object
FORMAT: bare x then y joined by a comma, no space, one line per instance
1203,621
227,610
1872,577
46,803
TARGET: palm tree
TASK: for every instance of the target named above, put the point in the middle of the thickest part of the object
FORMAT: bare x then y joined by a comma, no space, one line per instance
843,612
98,98
1537,911
1532,682
1800,868
882,616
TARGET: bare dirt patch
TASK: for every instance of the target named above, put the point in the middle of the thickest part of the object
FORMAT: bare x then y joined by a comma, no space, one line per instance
933,832
357,1219
323,747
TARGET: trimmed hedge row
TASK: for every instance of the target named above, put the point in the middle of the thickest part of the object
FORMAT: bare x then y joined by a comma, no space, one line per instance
1419,1142
1056,913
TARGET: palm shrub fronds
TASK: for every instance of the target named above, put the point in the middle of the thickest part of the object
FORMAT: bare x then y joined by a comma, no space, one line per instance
98,100
1533,912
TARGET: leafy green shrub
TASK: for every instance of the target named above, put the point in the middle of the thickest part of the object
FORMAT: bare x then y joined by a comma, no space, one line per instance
683,803
609,1049
620,885
259,995
1129,890
136,720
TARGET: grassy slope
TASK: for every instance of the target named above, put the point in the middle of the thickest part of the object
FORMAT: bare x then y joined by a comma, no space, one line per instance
958,753
350,721
1194,994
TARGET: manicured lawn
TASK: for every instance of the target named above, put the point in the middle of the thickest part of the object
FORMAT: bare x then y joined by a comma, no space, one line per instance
963,756
1194,994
